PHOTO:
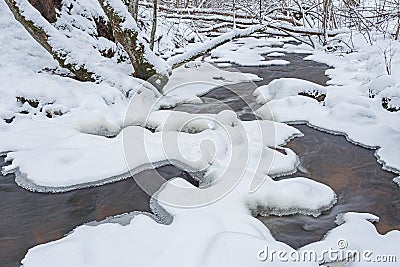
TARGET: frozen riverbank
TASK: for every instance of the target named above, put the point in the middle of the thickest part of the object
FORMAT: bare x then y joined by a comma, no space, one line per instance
327,222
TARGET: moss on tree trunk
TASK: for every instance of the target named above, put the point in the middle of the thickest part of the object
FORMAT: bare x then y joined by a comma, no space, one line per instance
128,38
41,37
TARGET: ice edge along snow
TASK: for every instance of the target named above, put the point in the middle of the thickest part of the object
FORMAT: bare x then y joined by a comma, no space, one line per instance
221,222
271,197
353,104
70,127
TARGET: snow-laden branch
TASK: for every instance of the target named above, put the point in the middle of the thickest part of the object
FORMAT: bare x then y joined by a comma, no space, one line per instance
235,33
211,44
78,47
212,17
302,30
197,11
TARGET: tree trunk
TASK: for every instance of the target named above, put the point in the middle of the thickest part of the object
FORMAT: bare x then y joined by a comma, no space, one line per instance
396,37
47,8
234,13
133,8
41,36
154,26
135,47
326,5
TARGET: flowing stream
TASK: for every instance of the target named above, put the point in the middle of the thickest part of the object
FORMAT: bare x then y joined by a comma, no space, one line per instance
28,219
351,171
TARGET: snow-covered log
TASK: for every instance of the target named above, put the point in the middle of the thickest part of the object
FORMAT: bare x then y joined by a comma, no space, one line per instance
213,43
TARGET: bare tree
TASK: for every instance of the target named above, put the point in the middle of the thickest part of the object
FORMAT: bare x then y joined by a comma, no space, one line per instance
142,58
326,7
133,7
388,57
154,24
398,22
234,13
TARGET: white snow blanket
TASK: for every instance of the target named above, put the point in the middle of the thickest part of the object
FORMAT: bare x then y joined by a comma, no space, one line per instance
59,134
354,103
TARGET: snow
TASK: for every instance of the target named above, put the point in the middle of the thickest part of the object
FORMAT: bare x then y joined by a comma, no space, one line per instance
73,37
248,52
285,87
65,152
397,180
357,233
228,198
214,209
81,114
194,79
229,231
224,65
276,54
206,46
86,119
59,134
353,104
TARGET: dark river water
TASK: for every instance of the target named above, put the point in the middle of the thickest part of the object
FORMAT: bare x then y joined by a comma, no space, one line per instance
28,219
353,173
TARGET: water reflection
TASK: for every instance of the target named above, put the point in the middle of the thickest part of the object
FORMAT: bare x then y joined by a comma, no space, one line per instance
28,218
353,173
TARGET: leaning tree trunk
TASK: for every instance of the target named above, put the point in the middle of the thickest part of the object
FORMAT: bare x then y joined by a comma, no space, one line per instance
147,66
42,36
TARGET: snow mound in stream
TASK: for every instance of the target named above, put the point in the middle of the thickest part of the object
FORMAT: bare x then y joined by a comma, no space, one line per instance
143,241
195,79
357,242
225,235
346,109
284,87
56,132
249,51
60,134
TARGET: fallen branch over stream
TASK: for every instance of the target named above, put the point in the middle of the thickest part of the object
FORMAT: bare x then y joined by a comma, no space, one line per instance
211,44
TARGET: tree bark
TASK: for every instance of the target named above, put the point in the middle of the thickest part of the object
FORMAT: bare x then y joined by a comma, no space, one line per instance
154,25
135,48
133,8
234,13
398,27
40,35
47,8
326,5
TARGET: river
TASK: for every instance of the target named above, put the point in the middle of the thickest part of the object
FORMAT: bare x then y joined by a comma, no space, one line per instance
30,218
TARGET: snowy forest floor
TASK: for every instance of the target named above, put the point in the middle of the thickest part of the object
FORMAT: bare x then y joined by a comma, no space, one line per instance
230,131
